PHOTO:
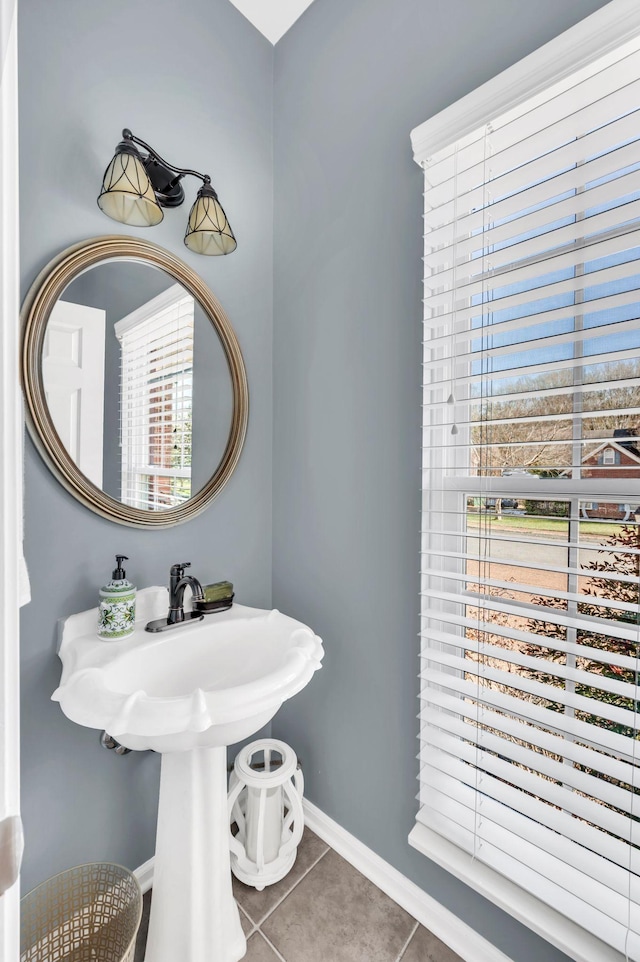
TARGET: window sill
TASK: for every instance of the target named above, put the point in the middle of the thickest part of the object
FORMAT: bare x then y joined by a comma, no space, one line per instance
540,918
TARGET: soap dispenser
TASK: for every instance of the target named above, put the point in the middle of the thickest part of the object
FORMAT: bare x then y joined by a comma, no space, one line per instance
117,611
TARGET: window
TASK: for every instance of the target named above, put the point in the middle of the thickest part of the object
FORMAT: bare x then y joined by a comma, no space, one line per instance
156,401
530,661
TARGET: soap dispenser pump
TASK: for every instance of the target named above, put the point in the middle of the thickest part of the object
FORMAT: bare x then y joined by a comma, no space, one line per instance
117,611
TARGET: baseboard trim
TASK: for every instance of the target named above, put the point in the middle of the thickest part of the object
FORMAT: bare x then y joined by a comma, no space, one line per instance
144,874
460,937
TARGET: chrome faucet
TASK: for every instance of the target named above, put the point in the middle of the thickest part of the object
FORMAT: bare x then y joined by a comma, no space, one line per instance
177,584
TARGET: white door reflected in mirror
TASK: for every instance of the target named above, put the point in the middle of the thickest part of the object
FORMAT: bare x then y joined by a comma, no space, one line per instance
73,375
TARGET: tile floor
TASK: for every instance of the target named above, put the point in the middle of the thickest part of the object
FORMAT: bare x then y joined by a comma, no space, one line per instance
325,911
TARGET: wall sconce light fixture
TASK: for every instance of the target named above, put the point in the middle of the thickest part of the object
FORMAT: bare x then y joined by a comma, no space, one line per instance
136,186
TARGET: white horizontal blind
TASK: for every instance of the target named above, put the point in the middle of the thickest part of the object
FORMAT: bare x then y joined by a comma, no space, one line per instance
156,401
531,546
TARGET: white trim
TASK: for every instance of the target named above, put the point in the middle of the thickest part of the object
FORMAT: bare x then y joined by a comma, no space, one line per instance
592,37
570,938
444,924
616,446
147,310
144,874
10,460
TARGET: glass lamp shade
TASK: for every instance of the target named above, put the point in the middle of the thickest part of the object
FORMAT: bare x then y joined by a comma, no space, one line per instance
208,230
127,195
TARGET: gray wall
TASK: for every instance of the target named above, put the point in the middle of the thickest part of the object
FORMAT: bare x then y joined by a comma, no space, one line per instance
195,81
351,80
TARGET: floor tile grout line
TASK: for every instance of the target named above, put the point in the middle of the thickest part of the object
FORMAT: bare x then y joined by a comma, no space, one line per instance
253,924
270,943
408,942
289,891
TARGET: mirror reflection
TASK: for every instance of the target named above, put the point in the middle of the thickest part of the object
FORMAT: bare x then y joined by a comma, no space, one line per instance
137,384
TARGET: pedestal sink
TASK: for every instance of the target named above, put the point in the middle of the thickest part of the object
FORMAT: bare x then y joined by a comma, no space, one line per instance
187,693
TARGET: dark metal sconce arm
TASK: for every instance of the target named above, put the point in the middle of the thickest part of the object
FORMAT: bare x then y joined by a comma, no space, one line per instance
181,171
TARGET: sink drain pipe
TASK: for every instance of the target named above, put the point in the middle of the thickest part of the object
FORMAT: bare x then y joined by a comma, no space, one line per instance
108,741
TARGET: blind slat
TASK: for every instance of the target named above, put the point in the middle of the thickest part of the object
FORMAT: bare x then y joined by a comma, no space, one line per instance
482,584
440,202
506,220
473,278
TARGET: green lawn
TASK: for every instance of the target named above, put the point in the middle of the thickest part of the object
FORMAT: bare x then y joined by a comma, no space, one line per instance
557,526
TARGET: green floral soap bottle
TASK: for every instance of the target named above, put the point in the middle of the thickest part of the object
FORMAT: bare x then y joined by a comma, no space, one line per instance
117,611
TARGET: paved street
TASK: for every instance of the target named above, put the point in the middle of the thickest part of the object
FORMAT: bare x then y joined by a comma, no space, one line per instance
537,555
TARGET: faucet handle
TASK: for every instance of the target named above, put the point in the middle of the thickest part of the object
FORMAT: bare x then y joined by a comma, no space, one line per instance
178,569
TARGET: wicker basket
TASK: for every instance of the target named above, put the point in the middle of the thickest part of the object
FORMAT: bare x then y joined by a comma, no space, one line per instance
90,913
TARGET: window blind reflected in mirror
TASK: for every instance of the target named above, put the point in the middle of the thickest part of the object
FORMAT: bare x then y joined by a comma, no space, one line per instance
156,395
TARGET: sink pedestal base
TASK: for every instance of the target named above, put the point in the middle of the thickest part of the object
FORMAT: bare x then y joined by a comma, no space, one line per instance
194,917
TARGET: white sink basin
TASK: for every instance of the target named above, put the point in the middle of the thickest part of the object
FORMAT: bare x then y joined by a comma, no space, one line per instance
187,693
210,683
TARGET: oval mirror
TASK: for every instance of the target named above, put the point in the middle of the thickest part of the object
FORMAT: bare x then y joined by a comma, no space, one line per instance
135,386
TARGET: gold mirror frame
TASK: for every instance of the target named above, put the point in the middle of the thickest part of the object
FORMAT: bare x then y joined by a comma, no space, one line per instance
37,307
